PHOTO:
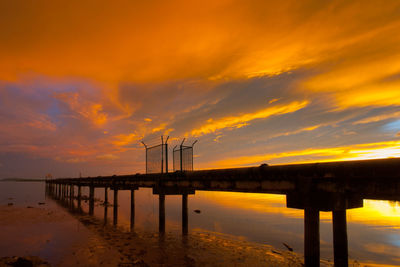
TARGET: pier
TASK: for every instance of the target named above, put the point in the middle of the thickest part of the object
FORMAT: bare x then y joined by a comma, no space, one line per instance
315,187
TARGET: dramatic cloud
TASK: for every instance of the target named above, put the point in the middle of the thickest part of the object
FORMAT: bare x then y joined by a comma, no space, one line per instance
82,83
243,119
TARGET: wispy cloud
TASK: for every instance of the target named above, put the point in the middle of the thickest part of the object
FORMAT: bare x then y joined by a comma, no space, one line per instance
352,152
89,110
107,157
378,118
88,87
241,120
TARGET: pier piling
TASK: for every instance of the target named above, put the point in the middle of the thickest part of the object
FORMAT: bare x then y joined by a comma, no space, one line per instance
132,208
340,246
161,213
311,237
91,200
185,220
115,217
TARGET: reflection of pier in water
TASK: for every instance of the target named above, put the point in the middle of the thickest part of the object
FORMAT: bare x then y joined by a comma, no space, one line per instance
333,187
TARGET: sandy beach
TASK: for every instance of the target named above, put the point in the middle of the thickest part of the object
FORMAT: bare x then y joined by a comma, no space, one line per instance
97,244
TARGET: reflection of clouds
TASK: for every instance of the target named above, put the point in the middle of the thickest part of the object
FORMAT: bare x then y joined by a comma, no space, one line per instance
377,218
383,249
374,212
264,203
377,212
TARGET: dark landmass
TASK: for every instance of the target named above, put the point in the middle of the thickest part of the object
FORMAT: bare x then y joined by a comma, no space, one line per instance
21,180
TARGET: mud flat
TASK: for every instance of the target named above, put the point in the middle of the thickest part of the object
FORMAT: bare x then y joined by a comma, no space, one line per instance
44,235
50,237
58,238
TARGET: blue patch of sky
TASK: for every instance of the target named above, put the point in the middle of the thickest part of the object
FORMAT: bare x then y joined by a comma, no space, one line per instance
395,240
54,109
392,126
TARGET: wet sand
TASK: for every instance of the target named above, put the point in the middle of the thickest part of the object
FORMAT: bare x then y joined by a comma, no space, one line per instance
89,242
54,236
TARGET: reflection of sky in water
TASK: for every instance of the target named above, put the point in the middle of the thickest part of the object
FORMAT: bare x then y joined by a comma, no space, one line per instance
10,192
373,231
49,240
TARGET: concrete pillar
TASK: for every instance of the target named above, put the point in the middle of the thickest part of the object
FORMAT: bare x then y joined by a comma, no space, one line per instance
79,192
132,208
340,247
71,191
91,200
311,237
79,198
105,214
185,219
105,196
161,213
115,217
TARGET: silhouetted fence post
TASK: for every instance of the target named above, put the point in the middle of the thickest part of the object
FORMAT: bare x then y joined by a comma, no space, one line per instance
157,157
183,157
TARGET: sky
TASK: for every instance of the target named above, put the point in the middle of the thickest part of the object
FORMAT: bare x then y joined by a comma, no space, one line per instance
82,83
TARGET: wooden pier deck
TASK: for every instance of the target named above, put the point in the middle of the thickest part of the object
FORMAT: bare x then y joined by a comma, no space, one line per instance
315,187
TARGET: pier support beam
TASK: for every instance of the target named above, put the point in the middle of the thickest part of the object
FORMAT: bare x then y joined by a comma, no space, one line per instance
132,208
71,196
115,217
311,237
71,192
340,247
161,213
185,219
79,192
105,214
91,200
105,196
79,198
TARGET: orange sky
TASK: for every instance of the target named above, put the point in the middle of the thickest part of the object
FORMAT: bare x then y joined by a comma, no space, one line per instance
254,81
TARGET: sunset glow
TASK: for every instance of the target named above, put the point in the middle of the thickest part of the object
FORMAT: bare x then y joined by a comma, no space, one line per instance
81,84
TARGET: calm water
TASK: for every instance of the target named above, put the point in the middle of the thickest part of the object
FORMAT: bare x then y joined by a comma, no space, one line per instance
373,230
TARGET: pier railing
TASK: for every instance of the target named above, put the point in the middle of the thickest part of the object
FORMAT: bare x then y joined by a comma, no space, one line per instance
334,187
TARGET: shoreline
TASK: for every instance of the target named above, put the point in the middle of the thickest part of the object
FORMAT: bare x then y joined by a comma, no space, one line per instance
94,243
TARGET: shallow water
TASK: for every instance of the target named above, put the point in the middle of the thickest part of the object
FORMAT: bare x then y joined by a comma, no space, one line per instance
50,239
373,230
